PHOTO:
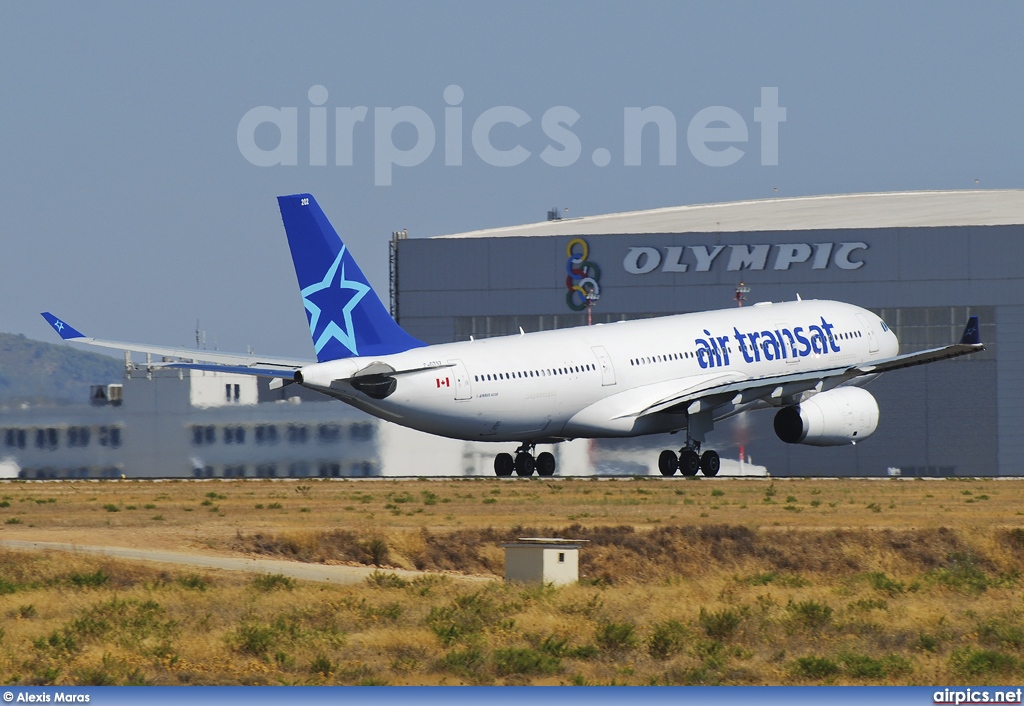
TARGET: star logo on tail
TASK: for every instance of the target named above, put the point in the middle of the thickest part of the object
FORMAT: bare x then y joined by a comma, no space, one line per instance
333,292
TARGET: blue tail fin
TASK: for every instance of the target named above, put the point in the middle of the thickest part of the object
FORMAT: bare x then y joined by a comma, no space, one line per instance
346,317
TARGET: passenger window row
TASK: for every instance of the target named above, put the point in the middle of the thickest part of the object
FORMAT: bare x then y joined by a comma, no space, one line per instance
663,358
542,373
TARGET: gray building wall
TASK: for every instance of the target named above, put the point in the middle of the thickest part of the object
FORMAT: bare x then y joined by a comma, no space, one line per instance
959,417
161,434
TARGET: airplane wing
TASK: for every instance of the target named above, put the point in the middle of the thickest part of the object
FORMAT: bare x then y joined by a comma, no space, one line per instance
186,358
715,392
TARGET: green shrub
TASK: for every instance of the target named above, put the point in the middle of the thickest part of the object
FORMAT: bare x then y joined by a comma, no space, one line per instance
863,667
376,551
869,604
389,611
616,636
926,643
465,663
964,574
381,580
321,665
782,580
720,625
968,662
1002,633
515,660
93,580
467,616
111,507
254,639
272,582
813,667
194,581
811,613
881,582
667,639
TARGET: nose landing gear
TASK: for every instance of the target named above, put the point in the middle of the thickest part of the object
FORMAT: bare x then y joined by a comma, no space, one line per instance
524,464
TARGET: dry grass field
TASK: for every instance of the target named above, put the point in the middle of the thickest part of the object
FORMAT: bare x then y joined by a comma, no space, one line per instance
723,581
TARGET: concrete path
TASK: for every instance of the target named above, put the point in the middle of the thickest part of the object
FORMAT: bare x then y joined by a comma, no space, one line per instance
306,572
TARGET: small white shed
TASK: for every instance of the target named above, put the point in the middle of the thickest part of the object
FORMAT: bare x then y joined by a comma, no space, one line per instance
543,560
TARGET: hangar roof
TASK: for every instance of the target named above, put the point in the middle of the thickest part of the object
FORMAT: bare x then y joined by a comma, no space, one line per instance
902,209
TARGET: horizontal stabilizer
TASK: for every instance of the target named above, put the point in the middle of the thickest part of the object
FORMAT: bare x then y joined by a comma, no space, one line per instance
236,369
69,333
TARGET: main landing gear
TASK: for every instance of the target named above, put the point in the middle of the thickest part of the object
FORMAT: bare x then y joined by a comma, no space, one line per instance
689,461
524,463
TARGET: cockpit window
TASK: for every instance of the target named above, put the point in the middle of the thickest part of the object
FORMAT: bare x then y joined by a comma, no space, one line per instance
884,327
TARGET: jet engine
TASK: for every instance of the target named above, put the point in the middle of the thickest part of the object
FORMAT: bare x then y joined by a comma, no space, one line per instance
838,417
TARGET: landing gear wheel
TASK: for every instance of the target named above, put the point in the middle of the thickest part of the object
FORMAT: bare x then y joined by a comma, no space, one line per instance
524,464
668,463
545,464
503,465
710,463
689,462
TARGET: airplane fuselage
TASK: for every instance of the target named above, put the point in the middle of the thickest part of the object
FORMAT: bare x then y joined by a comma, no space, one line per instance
603,380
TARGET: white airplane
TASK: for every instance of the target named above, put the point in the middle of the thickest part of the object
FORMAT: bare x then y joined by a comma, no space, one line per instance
806,359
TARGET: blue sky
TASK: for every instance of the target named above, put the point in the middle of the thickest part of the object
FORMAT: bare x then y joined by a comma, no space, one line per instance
128,207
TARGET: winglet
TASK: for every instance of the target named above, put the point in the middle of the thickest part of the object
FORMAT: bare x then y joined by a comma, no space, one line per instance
972,332
66,330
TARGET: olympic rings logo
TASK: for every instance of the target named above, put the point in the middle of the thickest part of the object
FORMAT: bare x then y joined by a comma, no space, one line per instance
584,275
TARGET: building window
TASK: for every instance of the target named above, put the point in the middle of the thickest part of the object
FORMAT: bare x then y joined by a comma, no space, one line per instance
297,434
78,437
361,432
111,436
298,469
15,438
266,434
234,435
46,438
360,469
328,433
266,470
330,470
201,435
232,392
234,471
561,557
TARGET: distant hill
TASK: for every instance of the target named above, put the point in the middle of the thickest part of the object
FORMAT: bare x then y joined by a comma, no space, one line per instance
37,372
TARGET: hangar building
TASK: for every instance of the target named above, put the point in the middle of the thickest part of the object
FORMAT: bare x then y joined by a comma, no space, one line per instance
924,261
